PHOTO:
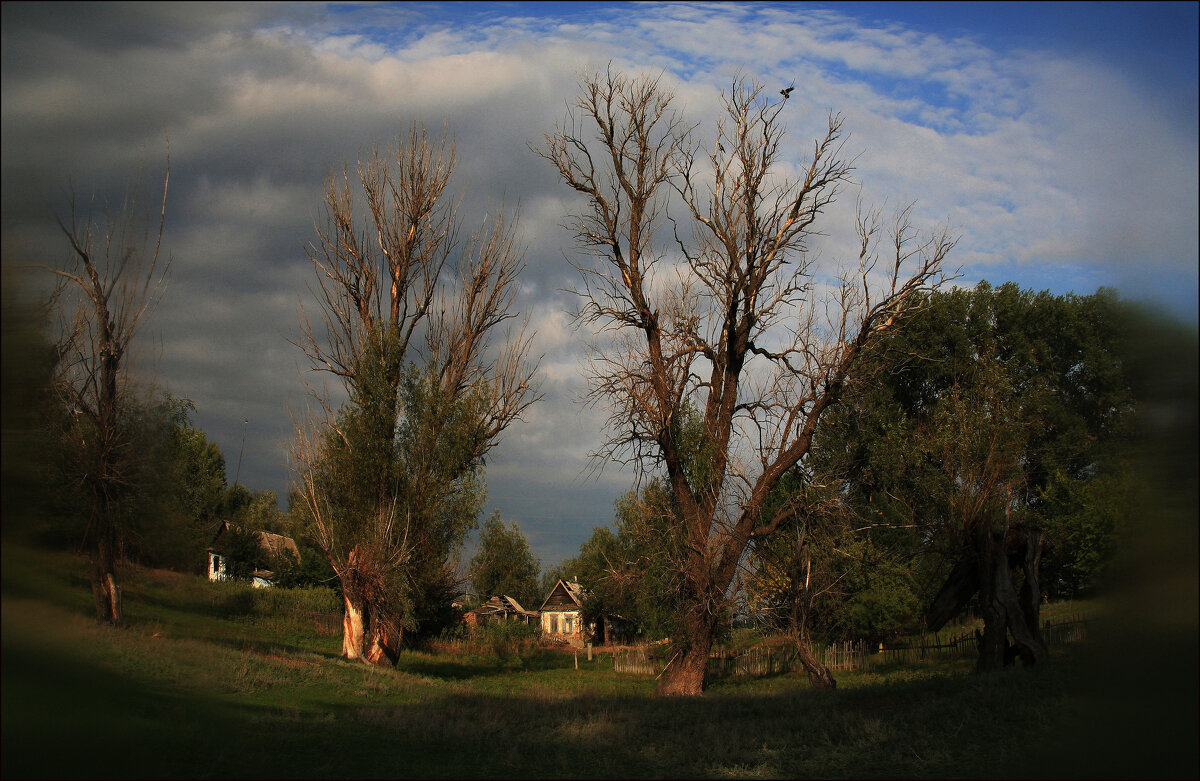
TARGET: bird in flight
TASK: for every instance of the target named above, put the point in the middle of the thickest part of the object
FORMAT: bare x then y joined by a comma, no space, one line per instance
786,92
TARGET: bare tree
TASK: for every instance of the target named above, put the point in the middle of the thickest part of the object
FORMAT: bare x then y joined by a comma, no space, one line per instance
735,324
387,481
112,278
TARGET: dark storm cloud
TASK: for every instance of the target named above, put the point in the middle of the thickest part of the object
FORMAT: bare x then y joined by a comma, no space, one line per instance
257,118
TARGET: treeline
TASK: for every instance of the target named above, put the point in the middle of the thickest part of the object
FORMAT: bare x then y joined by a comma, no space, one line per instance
1000,399
183,492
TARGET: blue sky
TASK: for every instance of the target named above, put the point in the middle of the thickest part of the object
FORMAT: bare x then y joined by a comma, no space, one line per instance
1059,140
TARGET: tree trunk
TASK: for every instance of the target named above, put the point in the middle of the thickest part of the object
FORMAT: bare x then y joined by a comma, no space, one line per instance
365,636
993,641
105,592
383,646
684,676
1027,642
353,624
685,673
1003,612
819,675
960,586
1031,590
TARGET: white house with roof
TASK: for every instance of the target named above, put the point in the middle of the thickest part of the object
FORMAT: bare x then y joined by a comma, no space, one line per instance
272,545
562,612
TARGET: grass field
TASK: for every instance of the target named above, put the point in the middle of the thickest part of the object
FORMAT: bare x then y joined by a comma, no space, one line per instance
213,680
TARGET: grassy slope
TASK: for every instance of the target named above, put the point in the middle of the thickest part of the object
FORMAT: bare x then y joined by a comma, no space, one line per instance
202,683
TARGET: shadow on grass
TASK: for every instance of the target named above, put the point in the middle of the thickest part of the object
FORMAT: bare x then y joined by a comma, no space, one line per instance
267,647
62,717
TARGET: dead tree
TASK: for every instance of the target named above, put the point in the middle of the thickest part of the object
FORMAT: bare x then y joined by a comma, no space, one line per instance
736,326
407,333
111,280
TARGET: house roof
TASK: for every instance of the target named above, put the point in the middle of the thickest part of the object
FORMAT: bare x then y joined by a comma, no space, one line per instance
270,542
502,604
573,591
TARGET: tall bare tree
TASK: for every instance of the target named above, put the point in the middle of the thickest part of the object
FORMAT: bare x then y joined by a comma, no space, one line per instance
109,282
387,481
735,322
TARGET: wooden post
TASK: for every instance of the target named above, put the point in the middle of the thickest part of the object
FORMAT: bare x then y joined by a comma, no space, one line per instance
589,650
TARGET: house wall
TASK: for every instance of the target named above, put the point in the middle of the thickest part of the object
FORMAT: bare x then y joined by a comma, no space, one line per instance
562,622
216,567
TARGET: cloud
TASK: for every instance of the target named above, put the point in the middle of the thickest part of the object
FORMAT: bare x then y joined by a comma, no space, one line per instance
1052,167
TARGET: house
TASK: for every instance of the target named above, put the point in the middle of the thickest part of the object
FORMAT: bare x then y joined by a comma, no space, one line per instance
272,545
562,612
501,608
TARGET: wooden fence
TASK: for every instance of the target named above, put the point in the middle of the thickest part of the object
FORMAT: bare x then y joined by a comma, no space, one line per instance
757,661
848,655
637,660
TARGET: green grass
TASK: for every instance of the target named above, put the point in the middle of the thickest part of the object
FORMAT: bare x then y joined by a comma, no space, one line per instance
212,680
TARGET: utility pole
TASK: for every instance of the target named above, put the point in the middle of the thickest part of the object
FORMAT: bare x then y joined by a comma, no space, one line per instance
241,450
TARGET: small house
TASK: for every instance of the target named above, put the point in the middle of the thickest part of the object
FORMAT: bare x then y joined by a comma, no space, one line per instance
501,608
272,545
562,612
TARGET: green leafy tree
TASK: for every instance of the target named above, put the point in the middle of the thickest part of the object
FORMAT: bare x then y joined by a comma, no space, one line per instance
391,481
631,576
28,360
243,551
1024,394
980,437
182,499
1086,520
505,565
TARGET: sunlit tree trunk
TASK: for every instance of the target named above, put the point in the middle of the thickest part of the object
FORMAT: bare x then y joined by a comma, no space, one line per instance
685,675
353,626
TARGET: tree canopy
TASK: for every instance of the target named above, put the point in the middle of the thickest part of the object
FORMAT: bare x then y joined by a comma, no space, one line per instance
505,565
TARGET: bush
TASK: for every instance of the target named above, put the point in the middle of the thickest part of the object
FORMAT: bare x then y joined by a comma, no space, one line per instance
509,638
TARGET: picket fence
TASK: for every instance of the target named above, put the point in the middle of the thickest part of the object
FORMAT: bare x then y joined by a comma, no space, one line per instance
848,655
638,660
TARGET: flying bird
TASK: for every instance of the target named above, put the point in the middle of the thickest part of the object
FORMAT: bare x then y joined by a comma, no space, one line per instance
786,92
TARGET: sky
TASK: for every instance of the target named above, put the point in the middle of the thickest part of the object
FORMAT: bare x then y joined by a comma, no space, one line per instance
1059,141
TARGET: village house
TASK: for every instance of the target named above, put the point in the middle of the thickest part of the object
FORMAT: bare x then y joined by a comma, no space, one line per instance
562,612
501,608
273,545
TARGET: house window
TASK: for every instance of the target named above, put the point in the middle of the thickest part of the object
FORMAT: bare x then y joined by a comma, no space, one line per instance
566,625
554,624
